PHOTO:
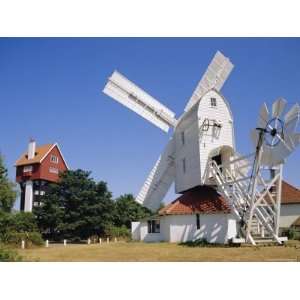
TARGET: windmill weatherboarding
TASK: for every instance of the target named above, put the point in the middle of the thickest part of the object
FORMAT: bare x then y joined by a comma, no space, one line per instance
202,150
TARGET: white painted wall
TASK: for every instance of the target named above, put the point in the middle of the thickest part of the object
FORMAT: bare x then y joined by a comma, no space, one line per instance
188,151
198,144
215,228
222,114
289,213
135,231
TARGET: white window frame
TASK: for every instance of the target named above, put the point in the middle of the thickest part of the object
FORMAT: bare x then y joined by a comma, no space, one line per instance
27,169
54,159
53,170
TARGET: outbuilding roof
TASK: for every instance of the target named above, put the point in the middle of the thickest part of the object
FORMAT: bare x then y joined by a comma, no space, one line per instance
289,194
201,199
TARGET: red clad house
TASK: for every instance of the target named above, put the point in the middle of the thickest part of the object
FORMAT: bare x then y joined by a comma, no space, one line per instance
35,169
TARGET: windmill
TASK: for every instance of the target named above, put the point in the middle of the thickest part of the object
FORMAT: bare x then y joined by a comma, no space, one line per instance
197,132
202,150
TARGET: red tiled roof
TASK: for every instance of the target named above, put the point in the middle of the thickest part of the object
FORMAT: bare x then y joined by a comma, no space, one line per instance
40,153
289,194
201,199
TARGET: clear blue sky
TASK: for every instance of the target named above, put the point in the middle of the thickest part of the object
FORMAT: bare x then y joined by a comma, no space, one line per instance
50,89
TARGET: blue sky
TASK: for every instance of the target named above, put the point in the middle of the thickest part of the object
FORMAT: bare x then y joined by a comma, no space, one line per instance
50,89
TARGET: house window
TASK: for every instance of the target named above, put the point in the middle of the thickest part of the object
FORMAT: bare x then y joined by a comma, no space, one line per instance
27,169
153,226
213,102
53,170
54,159
183,165
182,138
198,221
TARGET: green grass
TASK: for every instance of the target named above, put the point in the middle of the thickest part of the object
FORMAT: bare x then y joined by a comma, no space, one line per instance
131,252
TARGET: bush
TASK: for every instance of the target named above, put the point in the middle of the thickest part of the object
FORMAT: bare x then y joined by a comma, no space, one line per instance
17,227
119,232
293,234
9,255
30,238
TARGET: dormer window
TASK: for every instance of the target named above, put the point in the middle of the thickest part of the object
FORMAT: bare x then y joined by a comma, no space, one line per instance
213,102
27,169
54,159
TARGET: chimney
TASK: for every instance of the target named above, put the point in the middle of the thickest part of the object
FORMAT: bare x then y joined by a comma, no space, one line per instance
31,148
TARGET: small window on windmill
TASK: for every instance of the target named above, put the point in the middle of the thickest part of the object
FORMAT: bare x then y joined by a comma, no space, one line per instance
182,138
213,102
183,165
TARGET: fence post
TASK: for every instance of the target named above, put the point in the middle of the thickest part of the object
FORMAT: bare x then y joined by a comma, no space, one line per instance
100,241
107,240
89,241
65,243
115,239
23,244
47,244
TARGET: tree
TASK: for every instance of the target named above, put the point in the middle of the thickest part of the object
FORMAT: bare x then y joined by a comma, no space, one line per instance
7,189
76,208
128,210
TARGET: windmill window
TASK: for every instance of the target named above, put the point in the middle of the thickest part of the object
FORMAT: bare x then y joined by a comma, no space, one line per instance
213,102
54,159
198,221
182,138
153,226
183,165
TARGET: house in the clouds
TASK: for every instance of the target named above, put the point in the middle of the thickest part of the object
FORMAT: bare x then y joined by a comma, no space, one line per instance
35,169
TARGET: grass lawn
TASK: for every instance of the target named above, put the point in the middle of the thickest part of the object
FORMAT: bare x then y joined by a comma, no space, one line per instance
126,252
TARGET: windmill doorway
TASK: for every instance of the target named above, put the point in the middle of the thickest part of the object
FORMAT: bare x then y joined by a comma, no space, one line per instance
222,155
218,160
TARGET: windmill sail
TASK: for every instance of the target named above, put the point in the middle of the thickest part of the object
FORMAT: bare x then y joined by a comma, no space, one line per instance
214,78
159,180
130,95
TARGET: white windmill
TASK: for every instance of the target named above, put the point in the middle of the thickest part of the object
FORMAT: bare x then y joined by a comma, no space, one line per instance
201,150
205,130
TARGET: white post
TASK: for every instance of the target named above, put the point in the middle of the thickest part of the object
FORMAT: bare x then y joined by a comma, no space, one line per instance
107,240
23,244
89,241
262,232
100,241
115,239
278,200
47,244
65,243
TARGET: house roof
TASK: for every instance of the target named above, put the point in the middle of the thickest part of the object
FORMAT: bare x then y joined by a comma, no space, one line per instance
41,152
201,199
289,194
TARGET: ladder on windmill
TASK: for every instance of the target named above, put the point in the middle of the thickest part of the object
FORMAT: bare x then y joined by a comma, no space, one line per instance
259,220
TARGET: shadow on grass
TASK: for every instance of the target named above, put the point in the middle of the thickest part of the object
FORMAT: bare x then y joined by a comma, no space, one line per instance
206,244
